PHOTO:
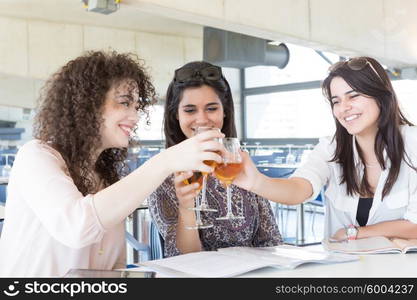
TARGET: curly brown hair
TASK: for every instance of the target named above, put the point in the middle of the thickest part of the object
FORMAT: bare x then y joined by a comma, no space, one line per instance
70,113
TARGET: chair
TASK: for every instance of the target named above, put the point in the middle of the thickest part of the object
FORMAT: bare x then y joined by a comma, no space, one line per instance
156,242
315,205
276,172
3,194
140,247
262,159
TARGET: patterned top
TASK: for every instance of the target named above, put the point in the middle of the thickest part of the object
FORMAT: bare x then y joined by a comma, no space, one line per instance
257,229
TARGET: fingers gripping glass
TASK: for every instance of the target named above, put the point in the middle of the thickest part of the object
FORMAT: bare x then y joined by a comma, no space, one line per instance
201,203
227,171
356,64
186,74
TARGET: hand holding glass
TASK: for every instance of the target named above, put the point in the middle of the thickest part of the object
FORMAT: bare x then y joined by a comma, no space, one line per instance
227,171
203,206
197,177
201,178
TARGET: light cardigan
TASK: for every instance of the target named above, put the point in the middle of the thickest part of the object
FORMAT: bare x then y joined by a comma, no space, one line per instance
399,204
50,227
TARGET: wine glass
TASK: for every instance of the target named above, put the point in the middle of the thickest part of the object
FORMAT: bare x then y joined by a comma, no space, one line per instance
291,158
244,145
203,205
6,168
257,149
227,171
197,177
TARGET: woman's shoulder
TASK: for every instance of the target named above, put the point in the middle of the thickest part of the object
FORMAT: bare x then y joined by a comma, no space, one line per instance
409,133
328,141
326,144
37,149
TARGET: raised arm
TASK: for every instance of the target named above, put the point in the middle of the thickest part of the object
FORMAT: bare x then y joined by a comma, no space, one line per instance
288,191
117,201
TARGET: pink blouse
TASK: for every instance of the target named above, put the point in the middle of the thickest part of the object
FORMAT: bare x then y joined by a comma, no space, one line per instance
49,226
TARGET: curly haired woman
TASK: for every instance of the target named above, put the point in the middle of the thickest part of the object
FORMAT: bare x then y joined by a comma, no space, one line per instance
66,201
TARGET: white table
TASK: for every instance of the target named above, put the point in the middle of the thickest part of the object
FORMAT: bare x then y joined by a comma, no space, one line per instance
375,265
371,266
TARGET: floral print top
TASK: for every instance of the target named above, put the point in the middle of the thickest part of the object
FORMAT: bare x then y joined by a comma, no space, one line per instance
257,229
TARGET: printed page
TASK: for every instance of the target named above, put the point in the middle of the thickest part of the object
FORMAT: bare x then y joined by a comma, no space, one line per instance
377,244
207,264
406,245
286,256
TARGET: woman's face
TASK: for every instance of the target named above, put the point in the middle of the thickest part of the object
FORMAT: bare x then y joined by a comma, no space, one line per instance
199,106
120,115
356,112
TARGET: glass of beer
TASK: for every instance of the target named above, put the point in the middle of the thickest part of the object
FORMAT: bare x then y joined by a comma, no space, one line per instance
227,171
203,205
201,178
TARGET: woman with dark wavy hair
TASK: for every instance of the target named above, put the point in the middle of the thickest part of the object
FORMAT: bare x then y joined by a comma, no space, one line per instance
367,168
200,96
66,202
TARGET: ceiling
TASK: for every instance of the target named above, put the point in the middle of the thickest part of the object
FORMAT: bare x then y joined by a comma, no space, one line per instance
72,11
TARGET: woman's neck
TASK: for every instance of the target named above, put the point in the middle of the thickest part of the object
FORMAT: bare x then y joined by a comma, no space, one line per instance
367,147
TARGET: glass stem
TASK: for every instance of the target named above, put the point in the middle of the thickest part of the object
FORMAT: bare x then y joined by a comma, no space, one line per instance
229,199
203,192
197,212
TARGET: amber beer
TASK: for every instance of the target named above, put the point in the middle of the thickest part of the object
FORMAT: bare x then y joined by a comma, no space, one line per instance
196,177
227,172
211,163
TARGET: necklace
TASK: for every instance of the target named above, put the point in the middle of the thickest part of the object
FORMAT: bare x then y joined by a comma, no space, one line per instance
375,165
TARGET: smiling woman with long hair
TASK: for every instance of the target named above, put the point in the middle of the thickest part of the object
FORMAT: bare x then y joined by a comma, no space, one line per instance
200,96
367,168
67,200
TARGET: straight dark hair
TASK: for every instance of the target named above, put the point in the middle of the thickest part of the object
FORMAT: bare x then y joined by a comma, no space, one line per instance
172,129
372,81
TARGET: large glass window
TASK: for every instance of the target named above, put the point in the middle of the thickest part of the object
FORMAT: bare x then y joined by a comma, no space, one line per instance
304,65
154,131
406,91
295,114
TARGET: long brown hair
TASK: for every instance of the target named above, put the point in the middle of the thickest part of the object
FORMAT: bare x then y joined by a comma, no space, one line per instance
70,113
372,82
172,129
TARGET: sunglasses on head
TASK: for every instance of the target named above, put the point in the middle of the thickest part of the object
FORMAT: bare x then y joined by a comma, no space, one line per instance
185,74
355,64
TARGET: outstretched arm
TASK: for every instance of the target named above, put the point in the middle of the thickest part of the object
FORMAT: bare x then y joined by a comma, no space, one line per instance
398,228
288,191
117,201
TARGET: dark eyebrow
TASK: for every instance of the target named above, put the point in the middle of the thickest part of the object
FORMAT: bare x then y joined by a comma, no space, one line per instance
124,96
347,93
189,105
212,103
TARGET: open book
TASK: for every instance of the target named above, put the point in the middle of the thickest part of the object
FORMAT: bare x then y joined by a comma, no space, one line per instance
378,244
228,262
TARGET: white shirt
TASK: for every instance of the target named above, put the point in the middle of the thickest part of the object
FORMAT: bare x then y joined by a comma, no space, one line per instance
400,203
50,227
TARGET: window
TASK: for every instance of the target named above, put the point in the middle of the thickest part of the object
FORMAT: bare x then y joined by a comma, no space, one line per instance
304,65
154,131
294,114
407,94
